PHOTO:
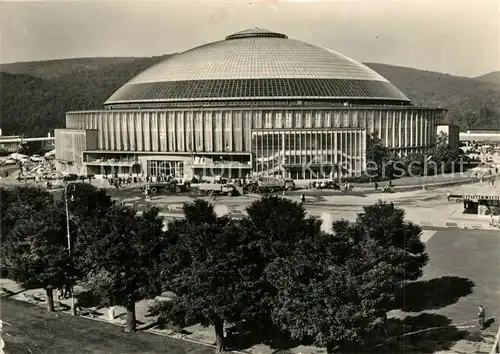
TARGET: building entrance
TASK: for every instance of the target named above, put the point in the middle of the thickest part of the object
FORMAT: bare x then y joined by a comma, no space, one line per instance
165,169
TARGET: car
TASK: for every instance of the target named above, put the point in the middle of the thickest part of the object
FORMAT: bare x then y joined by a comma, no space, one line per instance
36,158
70,178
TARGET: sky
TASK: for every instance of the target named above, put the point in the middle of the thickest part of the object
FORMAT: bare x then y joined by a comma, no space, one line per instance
455,37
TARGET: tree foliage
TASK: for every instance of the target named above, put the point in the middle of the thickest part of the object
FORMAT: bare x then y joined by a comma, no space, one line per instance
209,265
34,241
377,156
119,251
443,155
337,288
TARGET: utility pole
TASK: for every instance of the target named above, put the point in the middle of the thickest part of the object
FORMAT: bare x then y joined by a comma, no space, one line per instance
68,234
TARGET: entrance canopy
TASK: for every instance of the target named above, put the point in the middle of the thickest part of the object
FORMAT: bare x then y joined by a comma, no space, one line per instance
473,197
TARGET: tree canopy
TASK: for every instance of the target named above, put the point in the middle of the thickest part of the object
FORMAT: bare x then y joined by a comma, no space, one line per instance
119,254
209,265
336,289
34,241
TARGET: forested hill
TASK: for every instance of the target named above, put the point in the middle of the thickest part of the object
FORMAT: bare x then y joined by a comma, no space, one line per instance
493,77
35,95
48,69
470,101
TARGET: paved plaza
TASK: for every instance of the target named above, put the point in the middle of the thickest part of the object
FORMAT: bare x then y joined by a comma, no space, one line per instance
429,208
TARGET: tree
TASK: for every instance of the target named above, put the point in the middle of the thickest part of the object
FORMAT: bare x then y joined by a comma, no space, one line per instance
209,265
87,201
327,293
378,157
336,289
120,252
442,154
386,225
35,243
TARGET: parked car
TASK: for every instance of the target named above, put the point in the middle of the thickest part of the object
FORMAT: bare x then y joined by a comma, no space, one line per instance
70,178
36,158
269,184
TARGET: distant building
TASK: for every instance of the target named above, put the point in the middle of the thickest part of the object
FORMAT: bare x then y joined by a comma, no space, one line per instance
254,102
453,133
7,145
490,136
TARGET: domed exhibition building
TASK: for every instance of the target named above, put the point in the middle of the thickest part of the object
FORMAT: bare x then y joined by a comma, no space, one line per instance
254,103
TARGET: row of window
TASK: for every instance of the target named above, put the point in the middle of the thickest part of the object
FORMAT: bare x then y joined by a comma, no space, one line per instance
260,119
200,89
269,144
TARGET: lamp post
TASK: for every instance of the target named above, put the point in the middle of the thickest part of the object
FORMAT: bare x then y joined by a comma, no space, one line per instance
72,184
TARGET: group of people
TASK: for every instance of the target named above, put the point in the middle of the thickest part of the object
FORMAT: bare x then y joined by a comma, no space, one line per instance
118,181
64,292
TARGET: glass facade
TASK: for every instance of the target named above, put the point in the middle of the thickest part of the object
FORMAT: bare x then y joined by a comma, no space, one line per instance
165,168
309,154
255,88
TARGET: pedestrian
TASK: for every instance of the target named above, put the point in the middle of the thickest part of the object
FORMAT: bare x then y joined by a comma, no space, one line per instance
302,198
67,290
481,317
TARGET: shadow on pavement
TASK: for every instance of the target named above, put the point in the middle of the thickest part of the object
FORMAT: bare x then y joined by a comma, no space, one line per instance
246,336
489,322
88,299
426,333
433,294
10,293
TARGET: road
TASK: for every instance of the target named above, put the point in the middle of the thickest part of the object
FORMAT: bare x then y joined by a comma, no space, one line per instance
28,329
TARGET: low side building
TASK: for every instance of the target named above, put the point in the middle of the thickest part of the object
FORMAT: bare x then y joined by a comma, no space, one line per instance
484,136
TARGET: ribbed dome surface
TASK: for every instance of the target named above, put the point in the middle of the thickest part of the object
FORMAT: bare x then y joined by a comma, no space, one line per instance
257,64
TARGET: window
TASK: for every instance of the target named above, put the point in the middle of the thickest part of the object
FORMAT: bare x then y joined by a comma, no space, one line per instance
354,119
298,120
308,120
337,120
345,121
277,120
257,120
317,123
328,120
268,120
288,120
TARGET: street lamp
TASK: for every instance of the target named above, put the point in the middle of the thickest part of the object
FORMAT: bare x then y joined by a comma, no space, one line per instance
72,184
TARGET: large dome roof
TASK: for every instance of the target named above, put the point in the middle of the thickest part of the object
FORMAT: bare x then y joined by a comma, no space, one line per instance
257,64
